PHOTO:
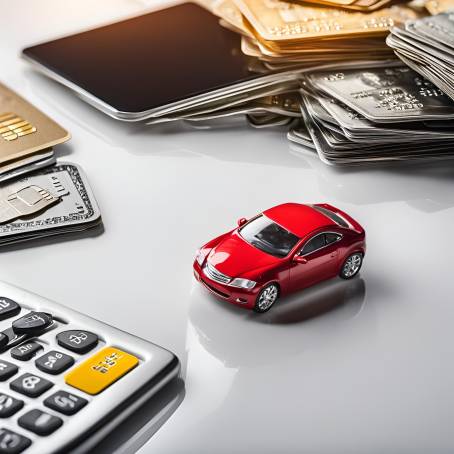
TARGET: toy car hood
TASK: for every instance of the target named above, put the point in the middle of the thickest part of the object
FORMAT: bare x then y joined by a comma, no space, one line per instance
234,257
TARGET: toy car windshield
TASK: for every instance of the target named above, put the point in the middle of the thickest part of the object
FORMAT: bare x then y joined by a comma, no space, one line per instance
269,237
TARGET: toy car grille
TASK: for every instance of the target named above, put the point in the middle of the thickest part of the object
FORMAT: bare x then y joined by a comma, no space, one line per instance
211,272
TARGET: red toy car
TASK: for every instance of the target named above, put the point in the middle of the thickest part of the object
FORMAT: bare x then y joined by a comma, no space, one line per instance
284,249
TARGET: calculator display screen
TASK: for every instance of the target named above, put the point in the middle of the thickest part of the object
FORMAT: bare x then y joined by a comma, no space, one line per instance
151,60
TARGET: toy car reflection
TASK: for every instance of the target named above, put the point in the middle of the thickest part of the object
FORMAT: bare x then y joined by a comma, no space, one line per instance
286,248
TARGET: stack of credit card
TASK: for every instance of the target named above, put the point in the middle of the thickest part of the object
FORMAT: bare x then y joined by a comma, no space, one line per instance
323,67
374,114
271,110
352,5
286,34
206,71
271,97
52,201
38,198
272,101
287,38
26,136
427,46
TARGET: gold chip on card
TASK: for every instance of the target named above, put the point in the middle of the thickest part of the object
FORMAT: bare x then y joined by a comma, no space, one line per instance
12,126
24,130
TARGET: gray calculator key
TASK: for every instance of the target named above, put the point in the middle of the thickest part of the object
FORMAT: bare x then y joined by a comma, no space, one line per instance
8,308
78,341
30,385
66,403
54,362
12,443
9,405
26,351
7,370
32,323
4,339
40,422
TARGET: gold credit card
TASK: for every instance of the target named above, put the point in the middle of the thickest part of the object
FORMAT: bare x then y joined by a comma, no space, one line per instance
355,5
439,6
279,21
24,130
228,11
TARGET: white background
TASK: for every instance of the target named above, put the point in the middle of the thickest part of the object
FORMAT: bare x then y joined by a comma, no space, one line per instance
345,367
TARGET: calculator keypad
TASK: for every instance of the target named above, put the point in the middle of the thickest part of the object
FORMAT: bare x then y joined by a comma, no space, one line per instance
17,339
61,374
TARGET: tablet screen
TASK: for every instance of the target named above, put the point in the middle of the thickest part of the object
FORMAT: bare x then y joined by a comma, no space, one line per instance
151,60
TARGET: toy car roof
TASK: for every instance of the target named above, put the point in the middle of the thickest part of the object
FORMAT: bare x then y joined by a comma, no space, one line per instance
297,218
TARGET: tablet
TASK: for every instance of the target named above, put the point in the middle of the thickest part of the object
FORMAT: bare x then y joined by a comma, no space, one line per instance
134,68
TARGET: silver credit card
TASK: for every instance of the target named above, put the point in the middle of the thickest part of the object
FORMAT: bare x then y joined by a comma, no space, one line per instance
77,209
385,95
427,46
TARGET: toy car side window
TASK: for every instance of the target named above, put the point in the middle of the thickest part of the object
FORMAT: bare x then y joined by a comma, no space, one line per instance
317,242
331,237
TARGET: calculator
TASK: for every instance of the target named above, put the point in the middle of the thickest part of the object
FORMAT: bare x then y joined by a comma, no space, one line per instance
66,379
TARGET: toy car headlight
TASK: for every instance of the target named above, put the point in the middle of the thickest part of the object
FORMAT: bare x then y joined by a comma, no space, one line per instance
242,283
200,256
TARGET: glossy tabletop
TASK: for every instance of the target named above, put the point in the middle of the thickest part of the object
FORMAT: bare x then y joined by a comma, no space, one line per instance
344,367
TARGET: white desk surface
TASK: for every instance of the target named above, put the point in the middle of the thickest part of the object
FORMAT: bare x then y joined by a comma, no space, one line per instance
346,367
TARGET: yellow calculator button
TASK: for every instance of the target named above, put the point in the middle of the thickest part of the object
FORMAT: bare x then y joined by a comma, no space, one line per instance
100,370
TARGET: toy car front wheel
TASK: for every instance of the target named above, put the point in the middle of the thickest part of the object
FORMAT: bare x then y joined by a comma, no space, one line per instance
266,298
351,266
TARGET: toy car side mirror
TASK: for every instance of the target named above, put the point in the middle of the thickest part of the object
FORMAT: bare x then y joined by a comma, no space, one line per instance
241,221
299,259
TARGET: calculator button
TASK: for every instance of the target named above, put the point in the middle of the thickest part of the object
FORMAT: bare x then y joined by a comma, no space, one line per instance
32,323
9,405
26,351
101,370
30,385
8,308
12,443
3,339
65,403
40,422
7,370
13,339
54,362
78,341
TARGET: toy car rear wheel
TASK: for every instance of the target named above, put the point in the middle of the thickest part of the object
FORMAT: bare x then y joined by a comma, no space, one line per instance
351,266
266,298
